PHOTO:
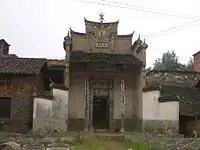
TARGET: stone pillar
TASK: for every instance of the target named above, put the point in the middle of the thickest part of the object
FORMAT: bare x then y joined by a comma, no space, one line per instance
111,110
138,99
86,105
67,46
66,74
122,104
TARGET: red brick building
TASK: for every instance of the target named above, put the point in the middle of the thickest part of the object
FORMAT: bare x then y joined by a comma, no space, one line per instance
197,61
20,80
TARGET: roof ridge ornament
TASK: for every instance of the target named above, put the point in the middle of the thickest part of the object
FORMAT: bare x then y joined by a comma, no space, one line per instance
68,34
145,46
101,19
139,37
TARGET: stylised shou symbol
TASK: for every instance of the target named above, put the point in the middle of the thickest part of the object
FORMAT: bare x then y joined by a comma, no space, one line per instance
101,17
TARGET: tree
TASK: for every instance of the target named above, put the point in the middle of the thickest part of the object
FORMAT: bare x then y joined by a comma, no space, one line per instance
169,61
190,65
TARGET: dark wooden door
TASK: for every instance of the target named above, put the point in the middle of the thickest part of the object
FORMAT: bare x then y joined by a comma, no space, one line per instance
100,113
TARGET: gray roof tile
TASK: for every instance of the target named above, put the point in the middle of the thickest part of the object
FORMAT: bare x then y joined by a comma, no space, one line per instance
14,65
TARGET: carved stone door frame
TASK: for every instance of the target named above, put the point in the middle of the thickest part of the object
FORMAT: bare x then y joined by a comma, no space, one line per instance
106,84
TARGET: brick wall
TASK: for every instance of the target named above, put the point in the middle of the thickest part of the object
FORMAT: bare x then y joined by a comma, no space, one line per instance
197,62
21,93
5,92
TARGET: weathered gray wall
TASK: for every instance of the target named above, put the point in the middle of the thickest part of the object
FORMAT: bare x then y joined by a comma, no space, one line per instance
60,109
50,115
42,110
159,116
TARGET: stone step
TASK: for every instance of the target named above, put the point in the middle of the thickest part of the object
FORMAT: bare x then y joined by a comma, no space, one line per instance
58,148
58,145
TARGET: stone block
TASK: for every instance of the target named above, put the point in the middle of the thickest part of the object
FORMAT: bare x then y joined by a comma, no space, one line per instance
68,139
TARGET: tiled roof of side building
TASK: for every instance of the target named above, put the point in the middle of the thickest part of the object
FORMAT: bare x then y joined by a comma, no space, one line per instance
189,98
170,98
15,65
180,85
56,62
188,95
176,78
149,88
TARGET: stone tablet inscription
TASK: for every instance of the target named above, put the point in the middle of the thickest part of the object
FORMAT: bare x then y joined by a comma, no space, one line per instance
101,45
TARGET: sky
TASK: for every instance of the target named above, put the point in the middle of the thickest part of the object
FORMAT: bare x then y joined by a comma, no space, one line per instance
36,28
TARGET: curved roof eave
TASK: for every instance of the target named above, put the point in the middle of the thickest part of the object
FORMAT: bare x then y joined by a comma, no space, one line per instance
93,22
126,35
72,32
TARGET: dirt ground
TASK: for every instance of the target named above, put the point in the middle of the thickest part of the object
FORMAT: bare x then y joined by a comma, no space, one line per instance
106,141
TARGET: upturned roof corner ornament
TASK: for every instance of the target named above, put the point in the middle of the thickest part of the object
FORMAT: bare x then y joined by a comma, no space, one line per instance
101,19
139,41
68,34
139,37
136,44
144,45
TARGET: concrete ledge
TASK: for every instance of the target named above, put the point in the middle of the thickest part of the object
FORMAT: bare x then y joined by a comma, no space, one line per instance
161,126
130,124
49,125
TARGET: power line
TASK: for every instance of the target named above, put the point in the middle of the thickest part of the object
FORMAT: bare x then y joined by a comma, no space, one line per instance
135,7
174,14
155,34
174,29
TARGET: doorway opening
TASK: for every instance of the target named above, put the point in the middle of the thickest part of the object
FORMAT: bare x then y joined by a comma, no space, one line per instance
100,112
5,107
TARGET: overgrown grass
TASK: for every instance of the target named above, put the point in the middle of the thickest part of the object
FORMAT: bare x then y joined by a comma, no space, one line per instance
107,143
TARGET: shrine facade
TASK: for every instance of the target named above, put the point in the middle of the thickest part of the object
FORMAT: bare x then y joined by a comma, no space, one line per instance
105,78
